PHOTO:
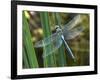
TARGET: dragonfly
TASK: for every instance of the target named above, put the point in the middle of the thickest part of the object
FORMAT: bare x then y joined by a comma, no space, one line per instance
69,31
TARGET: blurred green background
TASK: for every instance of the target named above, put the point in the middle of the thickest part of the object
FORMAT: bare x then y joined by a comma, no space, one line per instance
39,25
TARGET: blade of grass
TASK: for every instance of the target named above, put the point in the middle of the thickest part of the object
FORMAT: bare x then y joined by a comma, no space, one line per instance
25,60
61,61
49,60
28,44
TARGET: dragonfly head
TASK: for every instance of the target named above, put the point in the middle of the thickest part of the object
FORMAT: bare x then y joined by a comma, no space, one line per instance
57,28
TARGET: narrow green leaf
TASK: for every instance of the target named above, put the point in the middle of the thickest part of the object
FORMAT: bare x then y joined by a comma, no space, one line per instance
28,44
25,60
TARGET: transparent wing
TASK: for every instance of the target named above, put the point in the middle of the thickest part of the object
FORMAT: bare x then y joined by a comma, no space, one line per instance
75,21
50,44
70,34
51,48
47,41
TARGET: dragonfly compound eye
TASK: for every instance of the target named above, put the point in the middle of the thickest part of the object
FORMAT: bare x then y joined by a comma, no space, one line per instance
56,26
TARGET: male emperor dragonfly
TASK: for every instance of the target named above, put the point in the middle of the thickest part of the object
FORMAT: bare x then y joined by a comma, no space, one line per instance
69,31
